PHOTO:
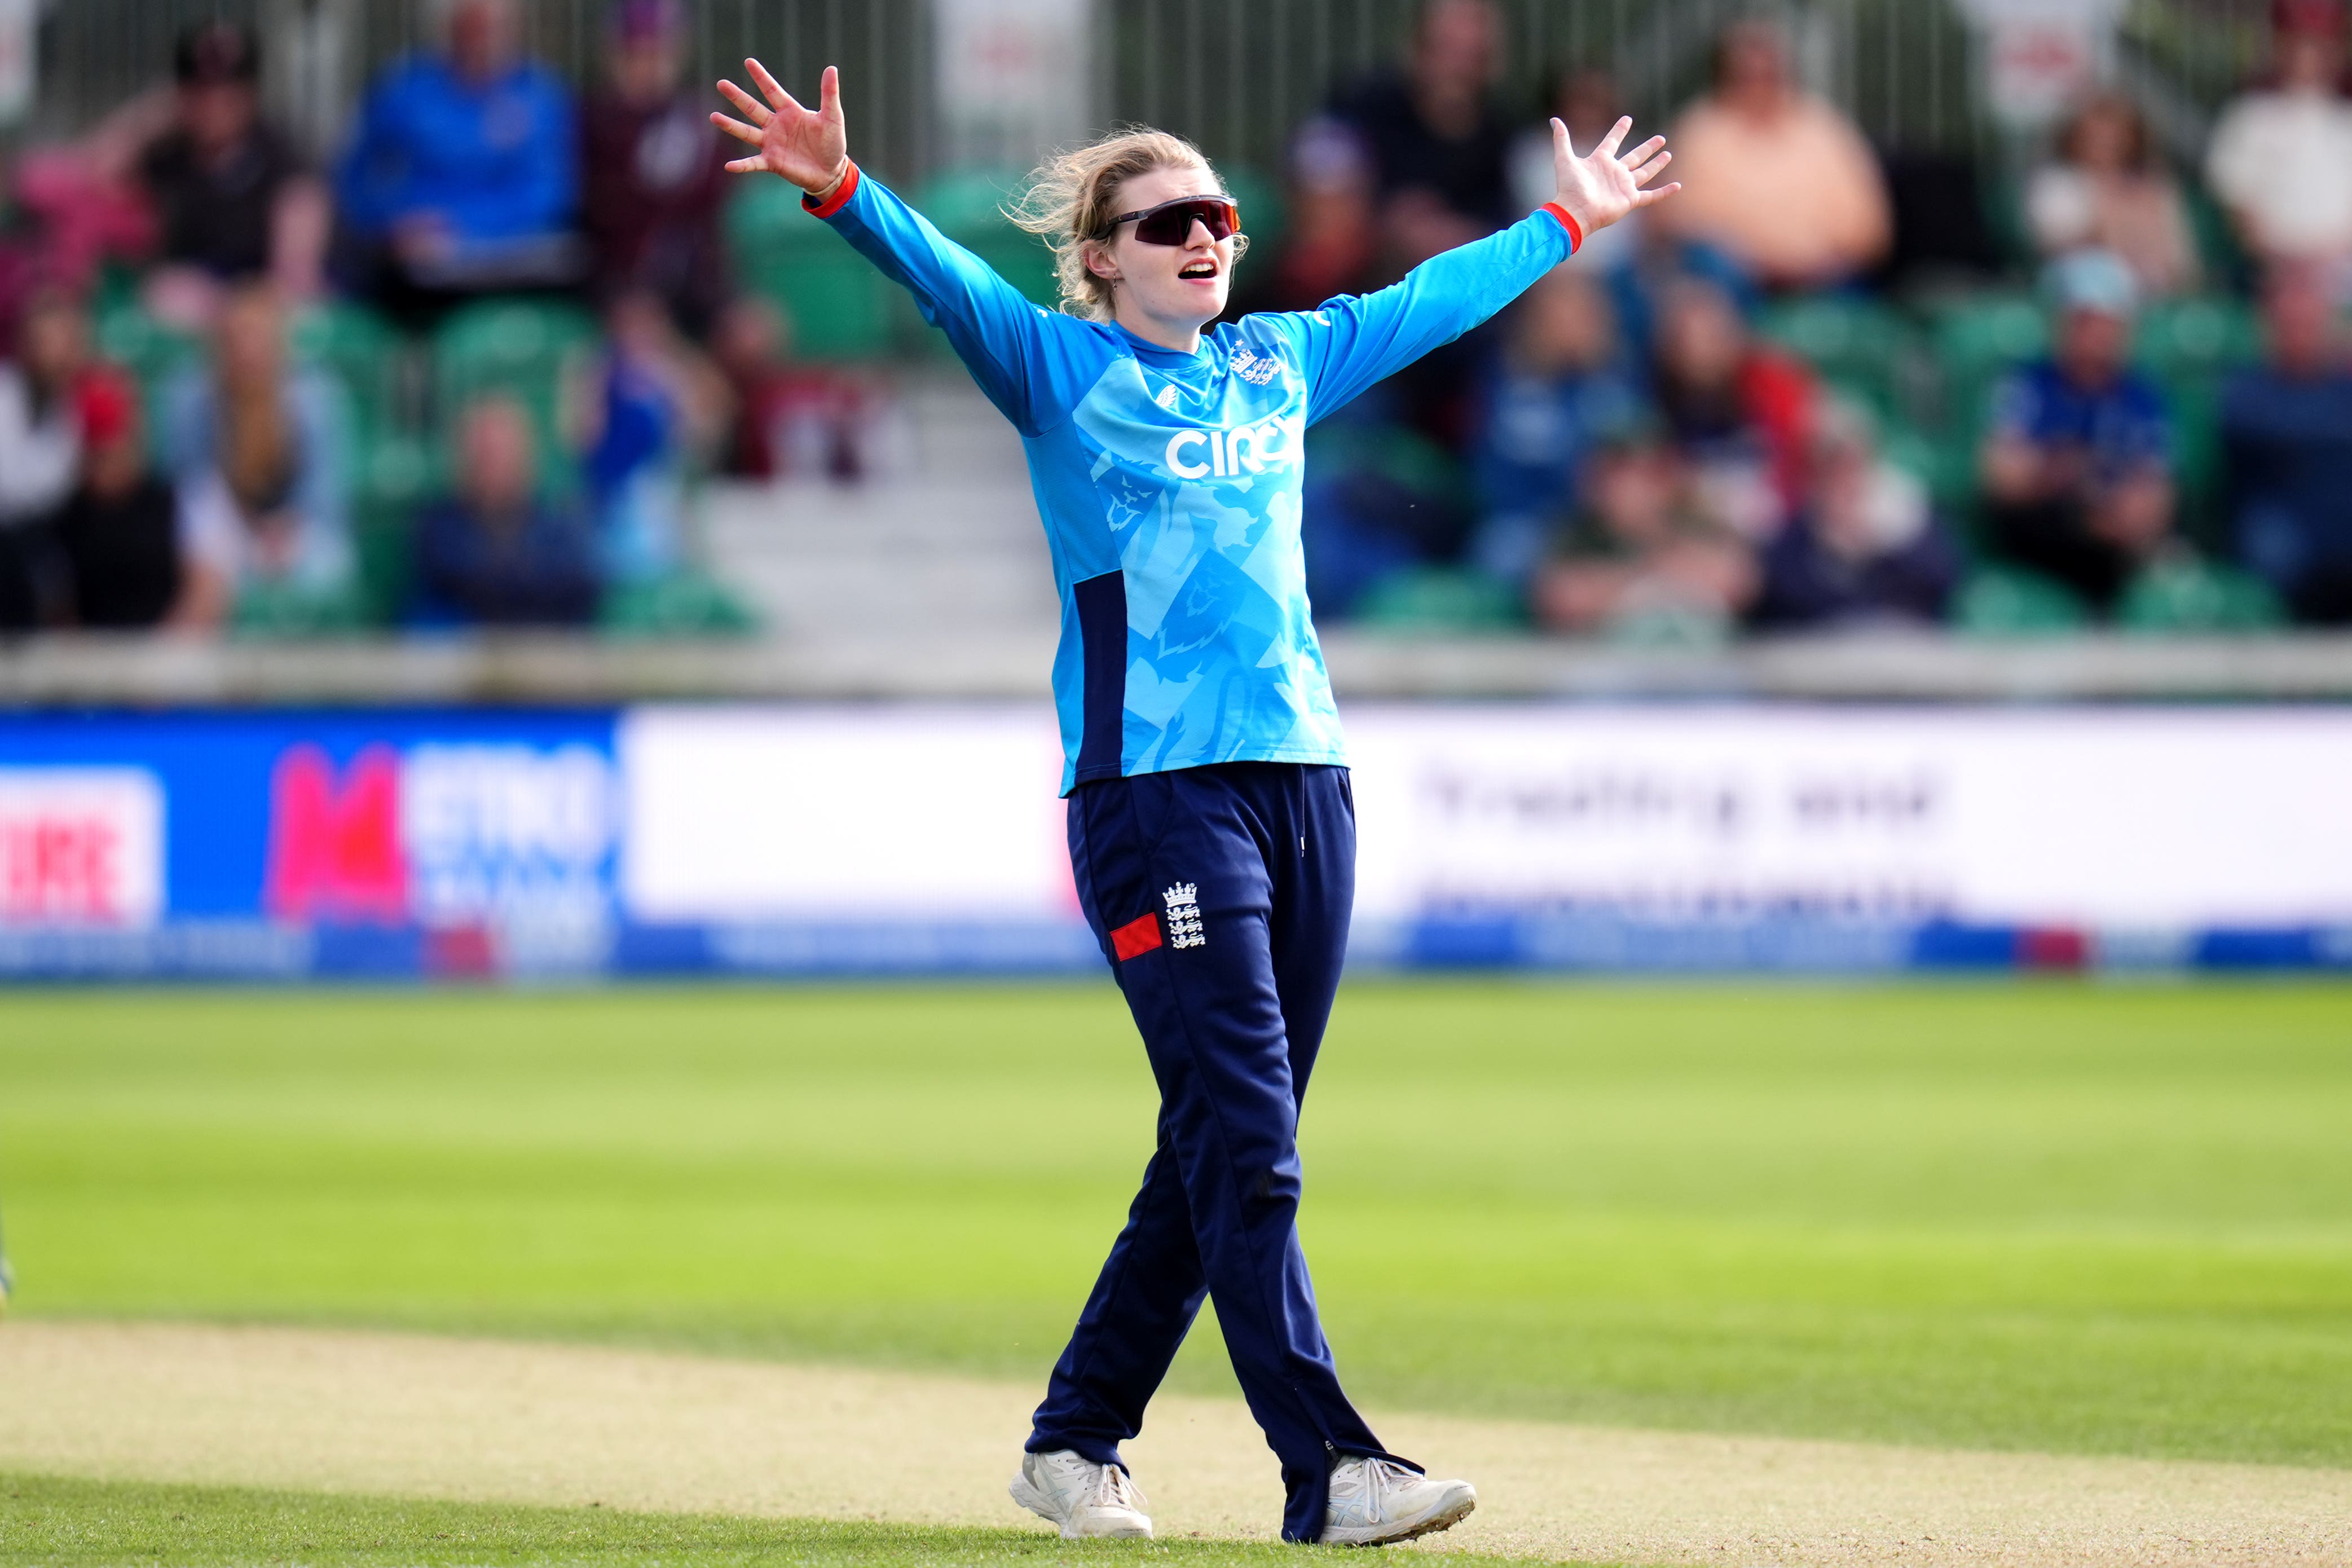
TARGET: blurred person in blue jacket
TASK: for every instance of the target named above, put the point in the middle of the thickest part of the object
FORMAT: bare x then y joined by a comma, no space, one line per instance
2077,461
663,413
260,451
2286,430
463,176
496,554
1866,551
1561,382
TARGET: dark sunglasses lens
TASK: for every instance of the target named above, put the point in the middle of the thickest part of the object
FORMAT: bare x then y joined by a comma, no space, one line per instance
1173,225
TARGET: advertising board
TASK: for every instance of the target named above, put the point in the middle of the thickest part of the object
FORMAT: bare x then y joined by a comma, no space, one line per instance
898,839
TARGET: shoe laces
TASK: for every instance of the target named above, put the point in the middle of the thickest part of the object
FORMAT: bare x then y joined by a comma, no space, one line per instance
1116,1489
1364,1483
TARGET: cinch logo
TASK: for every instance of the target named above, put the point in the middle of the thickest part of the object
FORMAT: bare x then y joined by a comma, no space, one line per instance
1226,454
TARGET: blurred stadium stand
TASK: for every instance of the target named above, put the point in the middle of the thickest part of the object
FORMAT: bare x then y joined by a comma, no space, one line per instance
1239,78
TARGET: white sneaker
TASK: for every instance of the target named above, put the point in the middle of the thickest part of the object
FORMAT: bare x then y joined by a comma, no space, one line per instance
1374,1501
1084,1498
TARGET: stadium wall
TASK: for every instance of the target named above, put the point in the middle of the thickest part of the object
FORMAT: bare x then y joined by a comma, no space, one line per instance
810,840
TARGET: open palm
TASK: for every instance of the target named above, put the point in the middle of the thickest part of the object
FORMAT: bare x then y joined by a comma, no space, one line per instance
808,147
1604,187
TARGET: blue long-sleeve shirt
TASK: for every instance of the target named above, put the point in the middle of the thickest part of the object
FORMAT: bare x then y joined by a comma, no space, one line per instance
498,160
1169,483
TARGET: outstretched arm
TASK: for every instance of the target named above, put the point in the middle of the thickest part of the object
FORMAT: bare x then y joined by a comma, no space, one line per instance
1032,362
1352,342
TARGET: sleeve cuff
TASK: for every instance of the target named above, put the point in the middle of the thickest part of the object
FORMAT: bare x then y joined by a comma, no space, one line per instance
1575,229
840,198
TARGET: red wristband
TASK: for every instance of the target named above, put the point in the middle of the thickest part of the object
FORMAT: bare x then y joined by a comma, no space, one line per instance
1568,222
840,197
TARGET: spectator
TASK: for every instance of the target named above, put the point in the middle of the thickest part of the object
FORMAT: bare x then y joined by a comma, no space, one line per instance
2107,189
66,210
40,429
1640,563
230,193
1741,413
663,408
2286,430
1561,384
1866,551
258,452
463,176
789,420
2077,467
1586,99
656,172
1774,176
2281,159
495,553
119,533
1437,143
1331,241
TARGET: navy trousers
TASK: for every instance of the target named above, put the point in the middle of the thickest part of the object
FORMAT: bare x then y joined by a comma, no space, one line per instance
1221,896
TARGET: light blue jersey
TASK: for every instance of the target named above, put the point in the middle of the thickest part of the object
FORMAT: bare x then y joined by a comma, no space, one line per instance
1169,483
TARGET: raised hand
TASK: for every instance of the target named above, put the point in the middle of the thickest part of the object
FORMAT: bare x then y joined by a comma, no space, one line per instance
811,149
1601,189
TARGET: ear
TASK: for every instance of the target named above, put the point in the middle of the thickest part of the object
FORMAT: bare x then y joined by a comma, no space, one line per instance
1099,261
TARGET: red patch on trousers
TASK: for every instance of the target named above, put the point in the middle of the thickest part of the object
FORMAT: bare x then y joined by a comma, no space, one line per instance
1136,938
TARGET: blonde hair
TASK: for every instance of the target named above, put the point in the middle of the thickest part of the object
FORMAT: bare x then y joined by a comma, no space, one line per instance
1071,199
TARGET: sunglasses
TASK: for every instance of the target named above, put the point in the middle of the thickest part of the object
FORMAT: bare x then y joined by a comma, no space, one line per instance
1170,222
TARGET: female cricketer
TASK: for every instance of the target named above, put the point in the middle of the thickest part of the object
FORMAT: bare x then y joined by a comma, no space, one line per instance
1211,824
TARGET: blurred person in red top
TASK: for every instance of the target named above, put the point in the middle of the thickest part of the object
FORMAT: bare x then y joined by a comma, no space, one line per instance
2281,159
2107,189
1774,176
792,420
1741,413
654,172
119,532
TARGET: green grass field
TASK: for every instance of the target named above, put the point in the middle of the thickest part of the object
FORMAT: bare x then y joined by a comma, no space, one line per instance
2064,1218
50,1522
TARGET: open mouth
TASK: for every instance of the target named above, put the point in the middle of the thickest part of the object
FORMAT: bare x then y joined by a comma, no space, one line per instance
1198,271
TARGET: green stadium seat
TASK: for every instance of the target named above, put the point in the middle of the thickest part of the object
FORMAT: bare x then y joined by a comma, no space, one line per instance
968,208
2175,598
840,308
374,360
2005,602
2198,339
397,476
126,336
685,603
1863,347
275,612
1976,339
1438,599
1265,216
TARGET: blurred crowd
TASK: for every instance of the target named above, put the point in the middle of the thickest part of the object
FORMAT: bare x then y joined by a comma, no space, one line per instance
468,372
1759,406
211,349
